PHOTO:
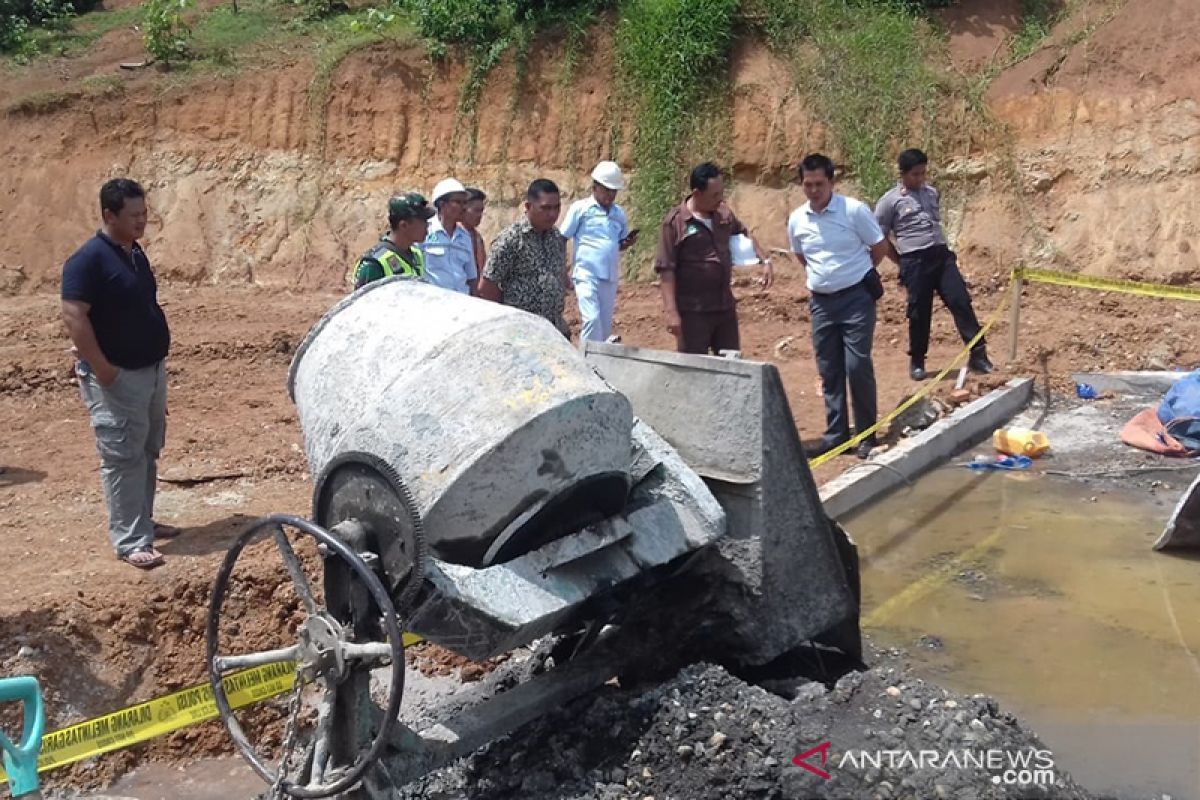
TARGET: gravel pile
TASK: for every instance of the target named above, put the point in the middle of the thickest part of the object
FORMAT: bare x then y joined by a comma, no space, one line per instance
708,734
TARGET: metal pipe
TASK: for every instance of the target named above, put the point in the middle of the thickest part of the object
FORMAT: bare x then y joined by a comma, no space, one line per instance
224,663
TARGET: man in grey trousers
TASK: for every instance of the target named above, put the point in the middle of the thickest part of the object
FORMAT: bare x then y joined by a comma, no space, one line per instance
120,337
840,244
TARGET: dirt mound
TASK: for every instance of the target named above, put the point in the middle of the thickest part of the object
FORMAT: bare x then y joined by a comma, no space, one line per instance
1107,146
706,734
261,179
978,30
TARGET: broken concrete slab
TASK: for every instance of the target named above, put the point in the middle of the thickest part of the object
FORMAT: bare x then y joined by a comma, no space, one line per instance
912,457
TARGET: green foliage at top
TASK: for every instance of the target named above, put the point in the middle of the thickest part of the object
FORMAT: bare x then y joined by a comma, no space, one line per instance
672,53
480,23
486,30
18,19
166,34
1037,19
868,75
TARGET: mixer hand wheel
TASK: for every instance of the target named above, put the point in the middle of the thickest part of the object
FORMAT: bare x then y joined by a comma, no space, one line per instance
325,654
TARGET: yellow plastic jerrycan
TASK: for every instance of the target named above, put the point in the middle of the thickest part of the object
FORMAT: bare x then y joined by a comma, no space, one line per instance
1020,442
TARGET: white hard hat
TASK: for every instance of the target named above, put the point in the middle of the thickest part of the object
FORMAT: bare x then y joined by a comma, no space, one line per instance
447,186
608,175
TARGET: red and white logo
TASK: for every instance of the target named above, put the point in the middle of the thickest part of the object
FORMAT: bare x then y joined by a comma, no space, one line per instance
802,760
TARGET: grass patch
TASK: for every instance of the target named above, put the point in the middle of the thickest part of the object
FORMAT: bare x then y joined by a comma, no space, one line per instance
1038,18
79,34
37,103
673,54
103,86
864,64
34,104
220,35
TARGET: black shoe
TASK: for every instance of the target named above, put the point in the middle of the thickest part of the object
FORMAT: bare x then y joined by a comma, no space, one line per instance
979,363
824,447
865,447
917,371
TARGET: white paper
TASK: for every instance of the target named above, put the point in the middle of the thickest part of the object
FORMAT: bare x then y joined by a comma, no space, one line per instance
742,250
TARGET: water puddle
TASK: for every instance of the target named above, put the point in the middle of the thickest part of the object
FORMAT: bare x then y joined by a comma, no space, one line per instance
1044,593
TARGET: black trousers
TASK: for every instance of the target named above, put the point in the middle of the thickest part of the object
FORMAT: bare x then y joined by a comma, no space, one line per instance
702,331
924,273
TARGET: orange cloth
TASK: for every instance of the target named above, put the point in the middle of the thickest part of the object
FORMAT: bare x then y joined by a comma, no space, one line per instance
1145,432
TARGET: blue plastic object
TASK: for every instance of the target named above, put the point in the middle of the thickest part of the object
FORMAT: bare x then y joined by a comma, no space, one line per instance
21,760
1086,391
1182,399
1007,463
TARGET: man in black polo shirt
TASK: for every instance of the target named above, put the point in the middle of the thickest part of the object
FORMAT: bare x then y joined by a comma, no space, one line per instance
120,336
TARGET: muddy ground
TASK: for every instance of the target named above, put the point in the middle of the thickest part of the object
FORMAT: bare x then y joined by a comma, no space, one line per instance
100,634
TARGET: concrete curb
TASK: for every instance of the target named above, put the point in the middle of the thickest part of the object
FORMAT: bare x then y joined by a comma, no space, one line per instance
1150,383
912,457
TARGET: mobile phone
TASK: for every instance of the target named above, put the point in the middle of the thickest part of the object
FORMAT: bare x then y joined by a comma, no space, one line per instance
633,233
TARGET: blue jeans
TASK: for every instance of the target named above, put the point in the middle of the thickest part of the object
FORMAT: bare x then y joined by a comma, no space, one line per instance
843,331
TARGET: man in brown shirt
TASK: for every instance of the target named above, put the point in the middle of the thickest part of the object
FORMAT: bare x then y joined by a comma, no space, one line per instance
695,266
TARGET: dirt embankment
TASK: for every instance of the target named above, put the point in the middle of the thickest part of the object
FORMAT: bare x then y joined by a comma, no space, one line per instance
261,179
253,180
1106,131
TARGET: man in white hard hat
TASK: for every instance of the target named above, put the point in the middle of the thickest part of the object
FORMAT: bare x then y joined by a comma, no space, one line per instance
449,247
598,231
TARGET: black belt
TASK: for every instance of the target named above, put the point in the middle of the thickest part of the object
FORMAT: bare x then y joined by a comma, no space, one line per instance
927,252
840,292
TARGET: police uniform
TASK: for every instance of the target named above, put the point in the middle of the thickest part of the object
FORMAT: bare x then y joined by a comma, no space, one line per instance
385,260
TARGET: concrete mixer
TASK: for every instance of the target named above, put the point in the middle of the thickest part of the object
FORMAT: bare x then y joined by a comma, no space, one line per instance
484,485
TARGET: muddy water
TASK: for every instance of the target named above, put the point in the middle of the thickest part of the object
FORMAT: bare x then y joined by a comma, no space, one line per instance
1044,593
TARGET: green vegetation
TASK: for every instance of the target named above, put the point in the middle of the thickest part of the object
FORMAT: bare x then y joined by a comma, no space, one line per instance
223,32
1037,19
45,102
868,76
166,34
674,54
36,103
487,29
24,23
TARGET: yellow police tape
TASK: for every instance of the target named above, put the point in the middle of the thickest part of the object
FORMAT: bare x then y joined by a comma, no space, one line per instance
813,463
1106,284
162,715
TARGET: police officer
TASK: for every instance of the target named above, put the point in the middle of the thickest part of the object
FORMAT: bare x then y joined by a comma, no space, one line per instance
397,253
910,214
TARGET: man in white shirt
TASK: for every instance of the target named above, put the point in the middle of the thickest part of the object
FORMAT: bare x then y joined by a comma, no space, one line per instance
840,244
598,231
449,247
